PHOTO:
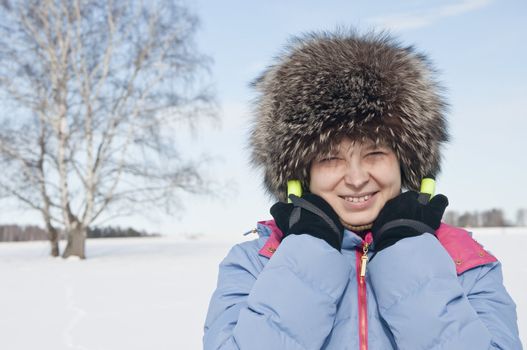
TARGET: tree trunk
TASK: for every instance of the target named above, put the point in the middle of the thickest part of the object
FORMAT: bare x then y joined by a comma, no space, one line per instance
54,240
76,243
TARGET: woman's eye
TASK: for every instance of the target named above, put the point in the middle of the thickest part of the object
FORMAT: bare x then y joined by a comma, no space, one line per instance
329,159
375,154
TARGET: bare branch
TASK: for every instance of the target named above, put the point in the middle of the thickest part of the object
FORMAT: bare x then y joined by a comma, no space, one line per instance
97,92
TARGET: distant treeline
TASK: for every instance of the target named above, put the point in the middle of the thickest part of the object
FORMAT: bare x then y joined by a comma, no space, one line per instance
13,233
486,218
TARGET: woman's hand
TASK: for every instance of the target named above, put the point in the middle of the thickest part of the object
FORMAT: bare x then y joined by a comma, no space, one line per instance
404,216
310,215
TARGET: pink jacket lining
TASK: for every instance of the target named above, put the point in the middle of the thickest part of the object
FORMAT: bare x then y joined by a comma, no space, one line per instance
462,248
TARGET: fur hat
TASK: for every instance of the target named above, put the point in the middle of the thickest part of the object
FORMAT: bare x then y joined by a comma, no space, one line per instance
328,85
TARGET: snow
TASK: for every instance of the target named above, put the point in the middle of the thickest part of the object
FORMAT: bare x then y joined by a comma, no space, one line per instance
148,293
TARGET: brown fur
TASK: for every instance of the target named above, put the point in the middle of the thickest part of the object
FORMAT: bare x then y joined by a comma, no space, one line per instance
327,85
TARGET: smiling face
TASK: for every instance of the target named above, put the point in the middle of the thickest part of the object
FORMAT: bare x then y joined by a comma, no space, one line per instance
356,179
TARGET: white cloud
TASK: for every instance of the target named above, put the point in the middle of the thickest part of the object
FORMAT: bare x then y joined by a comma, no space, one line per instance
463,7
426,17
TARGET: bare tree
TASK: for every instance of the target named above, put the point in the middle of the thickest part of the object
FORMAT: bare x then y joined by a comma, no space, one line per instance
469,219
451,217
493,218
521,217
93,94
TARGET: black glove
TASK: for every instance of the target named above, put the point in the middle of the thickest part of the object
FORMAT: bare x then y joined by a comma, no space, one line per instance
310,215
404,216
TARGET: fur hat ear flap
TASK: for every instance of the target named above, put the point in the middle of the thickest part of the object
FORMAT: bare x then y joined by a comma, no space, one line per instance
328,85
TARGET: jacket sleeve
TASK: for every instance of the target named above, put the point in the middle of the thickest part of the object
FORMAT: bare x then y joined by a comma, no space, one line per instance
290,304
425,305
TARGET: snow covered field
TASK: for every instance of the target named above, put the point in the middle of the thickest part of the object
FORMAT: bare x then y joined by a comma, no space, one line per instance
148,293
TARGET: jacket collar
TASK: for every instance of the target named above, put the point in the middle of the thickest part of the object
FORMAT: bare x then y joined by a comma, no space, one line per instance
269,229
465,251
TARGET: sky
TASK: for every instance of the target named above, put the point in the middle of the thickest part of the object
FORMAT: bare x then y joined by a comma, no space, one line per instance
475,44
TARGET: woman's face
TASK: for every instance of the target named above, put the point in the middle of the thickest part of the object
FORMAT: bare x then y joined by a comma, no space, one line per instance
357,179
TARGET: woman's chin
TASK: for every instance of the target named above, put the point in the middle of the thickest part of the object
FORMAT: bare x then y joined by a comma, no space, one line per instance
356,222
359,219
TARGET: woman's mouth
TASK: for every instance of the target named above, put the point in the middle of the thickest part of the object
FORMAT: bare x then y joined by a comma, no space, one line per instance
359,201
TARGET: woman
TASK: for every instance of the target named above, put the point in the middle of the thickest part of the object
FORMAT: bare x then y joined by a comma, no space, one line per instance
355,263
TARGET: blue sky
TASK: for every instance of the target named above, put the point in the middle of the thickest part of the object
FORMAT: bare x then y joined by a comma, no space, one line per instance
477,45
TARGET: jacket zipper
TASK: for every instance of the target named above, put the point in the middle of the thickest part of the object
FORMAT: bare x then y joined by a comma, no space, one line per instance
362,261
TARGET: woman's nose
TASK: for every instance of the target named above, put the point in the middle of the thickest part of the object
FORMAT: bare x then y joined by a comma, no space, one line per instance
356,175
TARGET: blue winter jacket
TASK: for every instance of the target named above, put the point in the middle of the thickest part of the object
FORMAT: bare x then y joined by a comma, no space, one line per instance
310,296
